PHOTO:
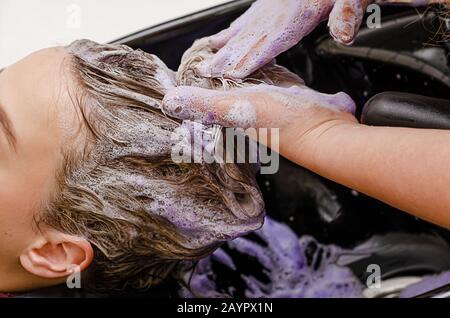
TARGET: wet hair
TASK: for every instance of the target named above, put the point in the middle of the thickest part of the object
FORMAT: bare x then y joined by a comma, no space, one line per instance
146,216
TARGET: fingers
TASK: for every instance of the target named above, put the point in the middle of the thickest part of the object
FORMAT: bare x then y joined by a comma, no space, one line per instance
217,41
210,107
245,54
258,106
220,39
346,18
250,50
304,97
242,57
214,66
258,36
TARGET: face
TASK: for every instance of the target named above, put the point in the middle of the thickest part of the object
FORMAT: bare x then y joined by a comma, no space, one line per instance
33,113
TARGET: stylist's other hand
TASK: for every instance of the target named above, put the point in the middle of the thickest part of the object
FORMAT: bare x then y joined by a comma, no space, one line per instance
299,112
271,27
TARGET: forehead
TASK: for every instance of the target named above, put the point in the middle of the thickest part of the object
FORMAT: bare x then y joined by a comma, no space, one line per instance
36,94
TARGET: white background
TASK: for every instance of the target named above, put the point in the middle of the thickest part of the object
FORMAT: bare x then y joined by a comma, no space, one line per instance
29,25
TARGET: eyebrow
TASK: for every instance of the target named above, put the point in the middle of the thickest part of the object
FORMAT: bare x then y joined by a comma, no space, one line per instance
6,125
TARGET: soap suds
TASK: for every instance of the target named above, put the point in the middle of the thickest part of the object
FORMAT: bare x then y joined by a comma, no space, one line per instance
426,285
242,114
256,37
207,203
293,267
280,87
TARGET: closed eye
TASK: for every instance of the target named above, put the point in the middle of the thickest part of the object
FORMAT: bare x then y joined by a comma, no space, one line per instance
6,126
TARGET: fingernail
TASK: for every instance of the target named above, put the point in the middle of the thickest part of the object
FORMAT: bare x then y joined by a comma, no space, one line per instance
172,103
343,36
346,35
345,39
342,30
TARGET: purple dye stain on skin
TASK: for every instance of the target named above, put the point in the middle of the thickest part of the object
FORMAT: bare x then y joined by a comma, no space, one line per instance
339,101
293,267
257,37
203,99
269,28
179,103
307,14
210,117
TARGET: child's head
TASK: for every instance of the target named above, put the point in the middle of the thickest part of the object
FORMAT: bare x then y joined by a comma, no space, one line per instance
87,176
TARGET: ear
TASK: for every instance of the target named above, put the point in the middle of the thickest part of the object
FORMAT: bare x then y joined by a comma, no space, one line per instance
56,255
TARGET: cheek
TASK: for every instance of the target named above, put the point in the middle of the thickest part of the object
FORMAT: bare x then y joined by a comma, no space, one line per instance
15,215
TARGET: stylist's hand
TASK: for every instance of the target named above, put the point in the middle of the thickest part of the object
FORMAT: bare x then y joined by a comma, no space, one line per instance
271,27
299,112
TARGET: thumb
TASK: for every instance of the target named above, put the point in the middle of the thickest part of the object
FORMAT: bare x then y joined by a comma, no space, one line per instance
210,106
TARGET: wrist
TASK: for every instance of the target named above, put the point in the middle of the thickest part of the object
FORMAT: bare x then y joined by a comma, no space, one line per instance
306,148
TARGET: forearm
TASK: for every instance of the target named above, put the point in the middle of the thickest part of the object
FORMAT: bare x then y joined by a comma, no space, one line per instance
406,168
